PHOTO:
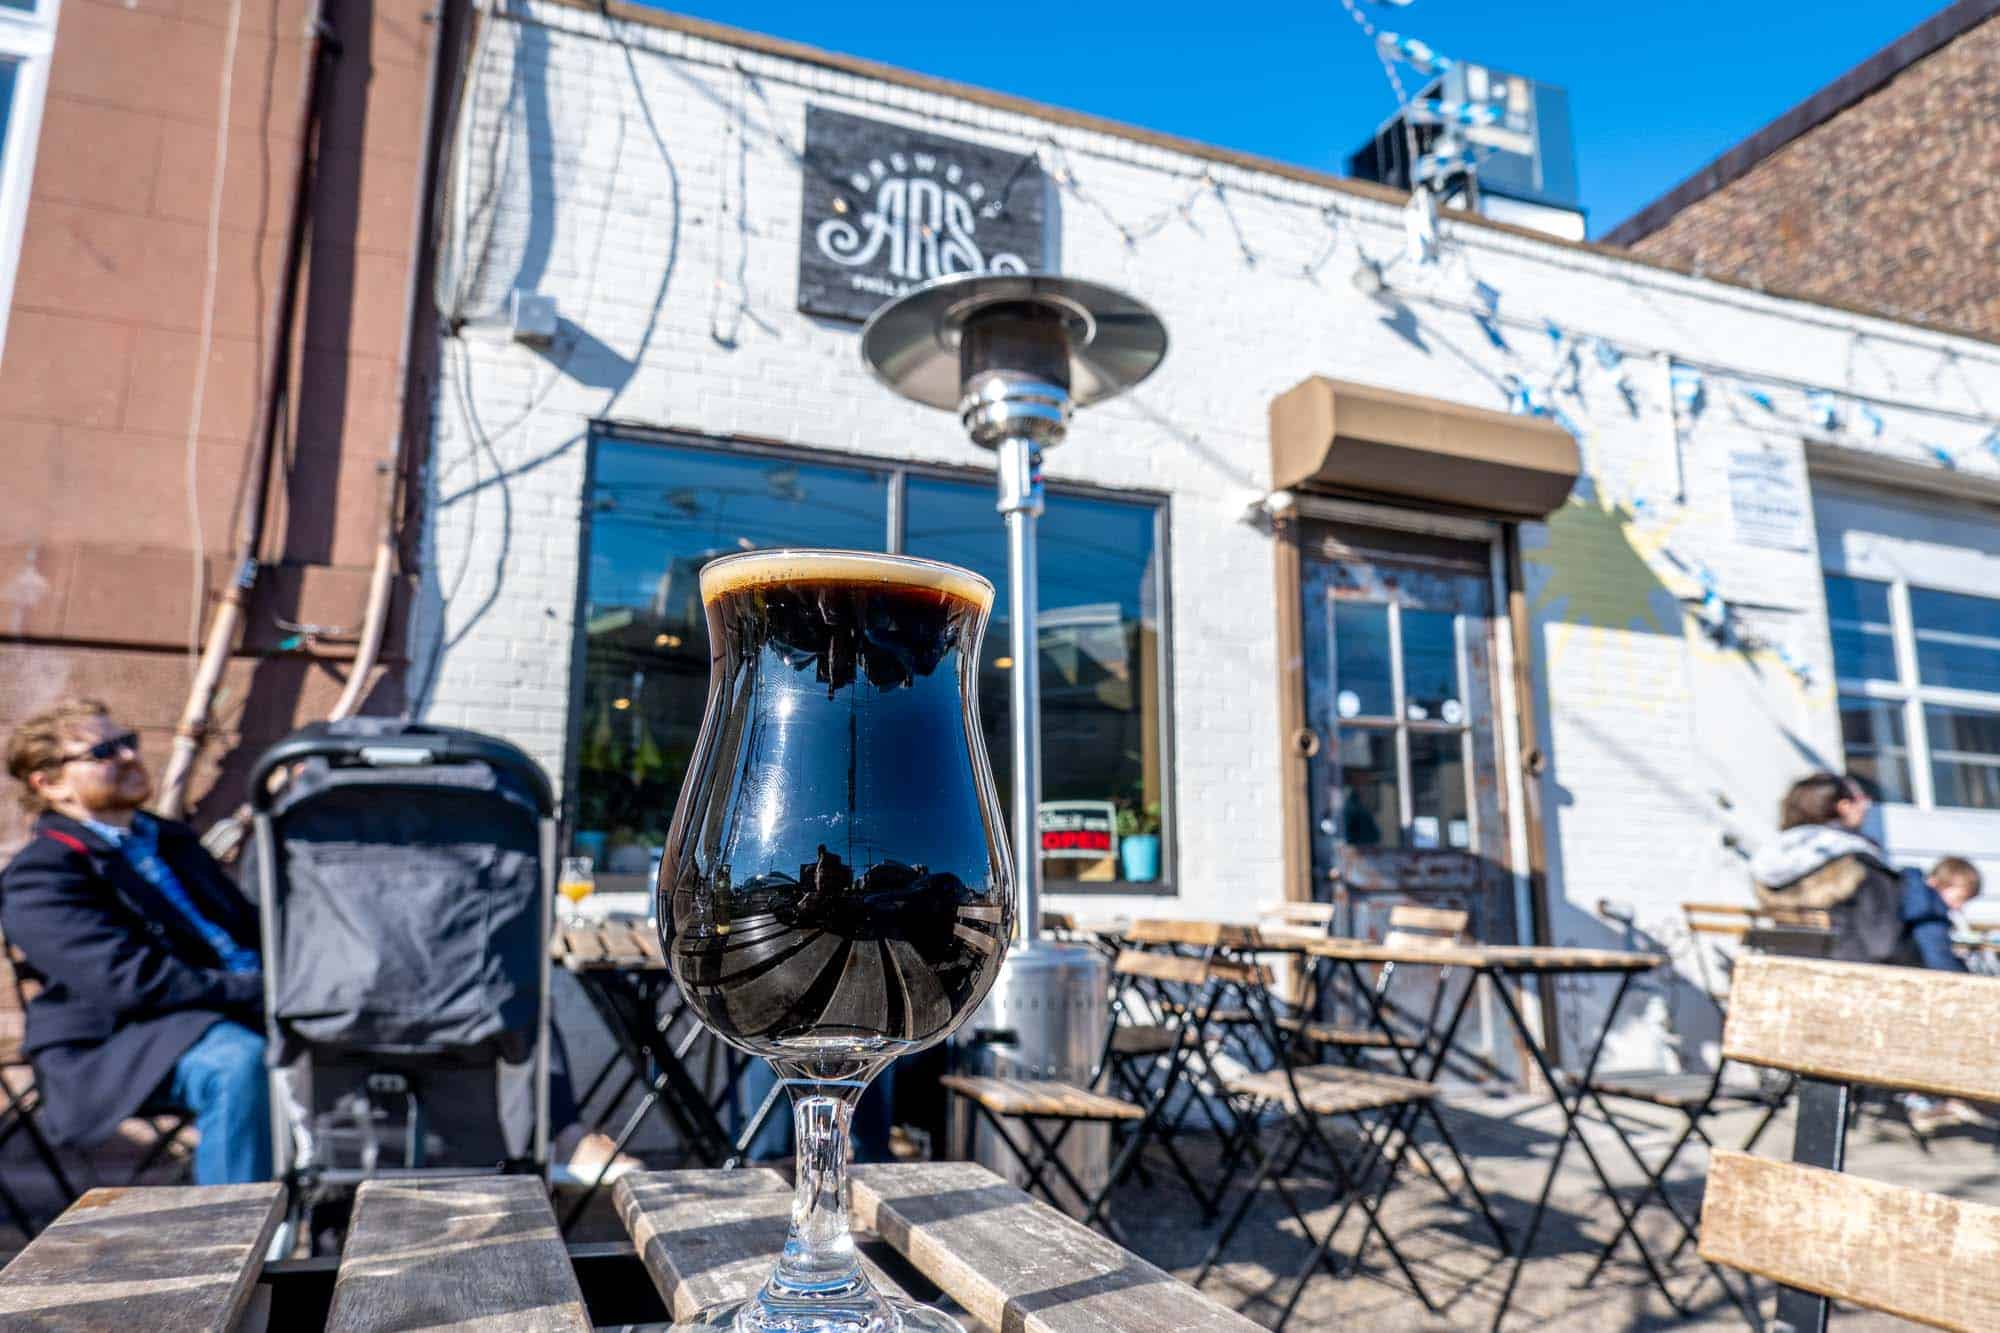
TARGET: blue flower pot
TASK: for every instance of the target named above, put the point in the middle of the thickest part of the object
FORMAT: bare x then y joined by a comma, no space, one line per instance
1139,857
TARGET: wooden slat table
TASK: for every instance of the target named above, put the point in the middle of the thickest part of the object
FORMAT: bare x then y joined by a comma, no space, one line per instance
483,1254
123,1260
1016,1264
623,972
466,1254
711,1236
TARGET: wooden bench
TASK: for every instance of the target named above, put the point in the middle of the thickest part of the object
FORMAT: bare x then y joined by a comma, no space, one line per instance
1803,1224
483,1254
707,1237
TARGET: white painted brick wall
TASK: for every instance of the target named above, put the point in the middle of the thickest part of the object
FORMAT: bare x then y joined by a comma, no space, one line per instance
622,183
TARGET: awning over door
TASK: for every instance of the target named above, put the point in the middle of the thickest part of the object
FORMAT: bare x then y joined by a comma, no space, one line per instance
1335,435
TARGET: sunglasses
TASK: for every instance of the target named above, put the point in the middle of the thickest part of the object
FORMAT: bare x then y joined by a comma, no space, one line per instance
106,750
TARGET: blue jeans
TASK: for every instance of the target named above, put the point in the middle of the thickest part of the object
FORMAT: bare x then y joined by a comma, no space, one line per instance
221,1079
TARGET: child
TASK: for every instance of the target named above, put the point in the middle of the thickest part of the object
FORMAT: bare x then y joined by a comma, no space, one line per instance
1956,881
1930,910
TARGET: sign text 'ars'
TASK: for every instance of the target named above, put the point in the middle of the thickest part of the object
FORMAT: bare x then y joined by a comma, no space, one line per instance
886,208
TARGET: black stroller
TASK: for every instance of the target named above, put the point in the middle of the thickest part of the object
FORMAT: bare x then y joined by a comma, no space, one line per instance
405,874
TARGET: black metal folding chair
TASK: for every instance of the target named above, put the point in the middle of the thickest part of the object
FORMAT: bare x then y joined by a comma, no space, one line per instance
1153,1061
1196,999
1699,1097
1305,1097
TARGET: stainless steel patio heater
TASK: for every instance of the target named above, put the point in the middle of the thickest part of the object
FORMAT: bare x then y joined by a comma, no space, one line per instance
1014,355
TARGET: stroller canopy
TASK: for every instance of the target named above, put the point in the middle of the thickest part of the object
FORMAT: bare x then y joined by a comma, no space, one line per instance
407,887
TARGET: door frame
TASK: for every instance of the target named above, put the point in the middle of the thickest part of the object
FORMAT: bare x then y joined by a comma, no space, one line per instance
1513,683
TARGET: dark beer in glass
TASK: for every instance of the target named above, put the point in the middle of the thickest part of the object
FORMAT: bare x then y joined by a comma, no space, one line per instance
835,889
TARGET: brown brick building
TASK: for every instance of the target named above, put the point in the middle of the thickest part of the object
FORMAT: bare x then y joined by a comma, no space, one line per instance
112,499
1882,190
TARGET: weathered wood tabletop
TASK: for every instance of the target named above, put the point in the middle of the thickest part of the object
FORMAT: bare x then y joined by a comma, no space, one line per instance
152,1259
628,945
483,1254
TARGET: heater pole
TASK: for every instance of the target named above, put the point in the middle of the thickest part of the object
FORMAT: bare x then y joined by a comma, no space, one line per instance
1020,486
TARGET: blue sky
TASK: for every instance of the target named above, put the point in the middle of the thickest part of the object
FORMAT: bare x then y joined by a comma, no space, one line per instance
1656,89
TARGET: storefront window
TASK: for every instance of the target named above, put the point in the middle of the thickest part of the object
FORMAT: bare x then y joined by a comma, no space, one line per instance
659,510
657,514
1100,660
1919,675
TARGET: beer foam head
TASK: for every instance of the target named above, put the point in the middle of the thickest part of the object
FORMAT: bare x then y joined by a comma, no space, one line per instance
757,569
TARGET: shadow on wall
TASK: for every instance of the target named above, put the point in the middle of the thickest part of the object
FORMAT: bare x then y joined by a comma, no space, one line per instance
475,484
1666,1019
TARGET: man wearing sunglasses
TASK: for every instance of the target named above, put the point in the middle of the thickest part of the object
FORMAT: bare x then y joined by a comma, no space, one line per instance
146,950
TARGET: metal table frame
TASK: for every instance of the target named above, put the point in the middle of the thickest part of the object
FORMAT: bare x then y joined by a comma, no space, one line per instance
1495,964
639,1003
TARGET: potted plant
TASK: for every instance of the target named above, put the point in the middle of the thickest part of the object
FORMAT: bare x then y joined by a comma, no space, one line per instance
1139,842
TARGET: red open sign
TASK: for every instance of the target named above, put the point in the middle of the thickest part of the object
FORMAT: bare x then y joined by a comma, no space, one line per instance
1077,840
1078,830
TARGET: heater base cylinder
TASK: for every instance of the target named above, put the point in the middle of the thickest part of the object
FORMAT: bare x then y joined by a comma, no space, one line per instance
1045,1018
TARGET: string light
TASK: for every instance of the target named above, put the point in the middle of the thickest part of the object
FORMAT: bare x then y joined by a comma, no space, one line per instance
1413,52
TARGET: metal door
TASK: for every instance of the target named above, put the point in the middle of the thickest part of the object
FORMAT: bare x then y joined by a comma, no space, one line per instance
1405,788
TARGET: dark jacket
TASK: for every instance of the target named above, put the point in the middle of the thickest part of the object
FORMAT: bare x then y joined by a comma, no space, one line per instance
129,983
1820,867
1927,927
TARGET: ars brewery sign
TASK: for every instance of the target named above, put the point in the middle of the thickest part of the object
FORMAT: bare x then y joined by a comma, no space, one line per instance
887,207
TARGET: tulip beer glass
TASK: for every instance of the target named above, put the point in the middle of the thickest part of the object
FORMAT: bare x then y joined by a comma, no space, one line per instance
835,890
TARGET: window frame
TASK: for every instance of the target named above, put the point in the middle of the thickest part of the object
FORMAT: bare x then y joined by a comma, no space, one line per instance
895,520
1400,726
1908,691
28,38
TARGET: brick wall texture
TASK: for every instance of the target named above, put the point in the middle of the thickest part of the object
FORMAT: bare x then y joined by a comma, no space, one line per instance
1892,204
106,507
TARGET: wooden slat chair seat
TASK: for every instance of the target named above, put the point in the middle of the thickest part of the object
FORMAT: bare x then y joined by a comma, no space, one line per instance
1042,1098
1333,1089
1337,1034
1827,1236
1146,1038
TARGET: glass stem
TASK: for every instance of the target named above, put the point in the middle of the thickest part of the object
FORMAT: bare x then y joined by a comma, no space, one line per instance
819,1258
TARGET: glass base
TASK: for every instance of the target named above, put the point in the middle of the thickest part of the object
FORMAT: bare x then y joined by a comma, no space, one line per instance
870,1313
